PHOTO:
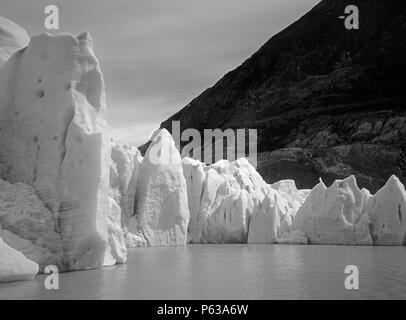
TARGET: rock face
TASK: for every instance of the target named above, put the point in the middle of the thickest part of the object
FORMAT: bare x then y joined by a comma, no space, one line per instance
162,202
12,39
14,265
387,211
325,102
335,215
28,225
54,138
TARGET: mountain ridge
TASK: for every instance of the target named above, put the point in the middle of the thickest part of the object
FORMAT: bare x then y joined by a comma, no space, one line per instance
311,88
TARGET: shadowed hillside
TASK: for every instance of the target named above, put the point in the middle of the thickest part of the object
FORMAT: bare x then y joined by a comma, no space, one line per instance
327,102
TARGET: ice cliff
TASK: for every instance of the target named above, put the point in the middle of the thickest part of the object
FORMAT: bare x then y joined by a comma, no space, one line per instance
162,201
14,265
53,137
344,214
335,215
387,211
231,203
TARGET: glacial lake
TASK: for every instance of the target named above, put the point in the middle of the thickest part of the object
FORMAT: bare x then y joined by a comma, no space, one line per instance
232,272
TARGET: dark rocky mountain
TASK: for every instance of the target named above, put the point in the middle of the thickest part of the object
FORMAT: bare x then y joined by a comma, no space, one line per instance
327,102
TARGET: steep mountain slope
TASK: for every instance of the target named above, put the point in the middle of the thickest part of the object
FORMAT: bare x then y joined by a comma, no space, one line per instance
327,102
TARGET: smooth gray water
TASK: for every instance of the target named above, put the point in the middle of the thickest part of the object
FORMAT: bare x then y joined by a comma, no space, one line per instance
232,272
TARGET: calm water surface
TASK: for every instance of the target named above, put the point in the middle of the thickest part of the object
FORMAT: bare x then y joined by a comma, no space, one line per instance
232,272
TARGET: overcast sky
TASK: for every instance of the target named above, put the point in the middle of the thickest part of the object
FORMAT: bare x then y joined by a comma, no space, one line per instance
157,55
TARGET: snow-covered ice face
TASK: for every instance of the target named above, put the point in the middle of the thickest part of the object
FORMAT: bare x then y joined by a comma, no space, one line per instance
12,39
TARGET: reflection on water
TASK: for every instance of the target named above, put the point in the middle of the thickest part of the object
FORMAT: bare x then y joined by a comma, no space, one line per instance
232,272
